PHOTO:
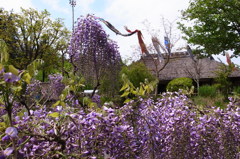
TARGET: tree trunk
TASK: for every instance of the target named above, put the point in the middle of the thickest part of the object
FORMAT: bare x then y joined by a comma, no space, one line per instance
197,86
43,76
62,64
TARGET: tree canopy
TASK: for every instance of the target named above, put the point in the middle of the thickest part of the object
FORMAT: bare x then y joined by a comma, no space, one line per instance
137,72
216,26
32,35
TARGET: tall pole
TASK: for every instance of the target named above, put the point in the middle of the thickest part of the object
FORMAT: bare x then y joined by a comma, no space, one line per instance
73,4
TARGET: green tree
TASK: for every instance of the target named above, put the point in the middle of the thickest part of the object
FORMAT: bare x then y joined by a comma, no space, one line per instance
8,31
223,79
137,72
32,35
215,25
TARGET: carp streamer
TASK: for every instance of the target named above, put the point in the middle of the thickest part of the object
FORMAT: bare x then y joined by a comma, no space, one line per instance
139,33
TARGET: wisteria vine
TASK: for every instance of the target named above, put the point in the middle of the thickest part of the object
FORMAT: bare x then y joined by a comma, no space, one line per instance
170,127
92,53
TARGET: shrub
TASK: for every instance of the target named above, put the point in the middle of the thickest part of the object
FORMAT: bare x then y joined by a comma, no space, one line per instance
223,79
220,104
206,102
137,72
179,83
236,90
105,99
207,91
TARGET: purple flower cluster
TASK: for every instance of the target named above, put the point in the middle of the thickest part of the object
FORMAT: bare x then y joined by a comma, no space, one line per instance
33,90
56,84
172,127
10,77
37,90
11,134
75,134
91,51
97,99
169,127
217,134
34,86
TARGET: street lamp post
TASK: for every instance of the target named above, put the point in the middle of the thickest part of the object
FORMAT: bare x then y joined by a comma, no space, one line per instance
73,4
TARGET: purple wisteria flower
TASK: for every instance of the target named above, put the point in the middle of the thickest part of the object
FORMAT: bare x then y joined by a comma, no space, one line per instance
8,151
92,53
2,157
11,131
5,138
168,127
56,84
10,77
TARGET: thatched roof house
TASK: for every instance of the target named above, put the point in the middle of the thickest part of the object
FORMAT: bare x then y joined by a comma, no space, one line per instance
182,65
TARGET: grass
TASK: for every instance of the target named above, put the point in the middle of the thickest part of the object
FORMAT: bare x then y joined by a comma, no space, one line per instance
207,91
203,102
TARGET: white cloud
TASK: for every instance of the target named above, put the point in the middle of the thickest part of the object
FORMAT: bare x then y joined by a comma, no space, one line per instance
16,5
55,5
133,12
138,10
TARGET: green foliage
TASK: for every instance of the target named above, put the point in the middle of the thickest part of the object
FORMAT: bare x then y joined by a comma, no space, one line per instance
223,79
215,25
189,91
105,99
3,54
115,101
25,75
205,102
42,75
8,30
110,85
12,89
68,67
3,126
180,83
236,90
74,87
74,84
32,35
32,67
130,92
137,72
207,91
220,104
54,115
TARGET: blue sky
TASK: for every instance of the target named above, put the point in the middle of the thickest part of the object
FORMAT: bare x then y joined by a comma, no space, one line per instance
120,13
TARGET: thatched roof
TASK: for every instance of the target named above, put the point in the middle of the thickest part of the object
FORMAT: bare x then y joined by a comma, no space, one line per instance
182,65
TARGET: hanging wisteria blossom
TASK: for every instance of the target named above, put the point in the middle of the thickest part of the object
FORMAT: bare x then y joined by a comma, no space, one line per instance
91,51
